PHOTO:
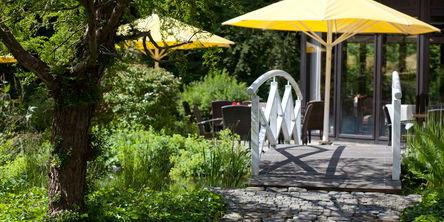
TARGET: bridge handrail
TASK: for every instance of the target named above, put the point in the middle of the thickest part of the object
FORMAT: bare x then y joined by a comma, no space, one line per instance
270,74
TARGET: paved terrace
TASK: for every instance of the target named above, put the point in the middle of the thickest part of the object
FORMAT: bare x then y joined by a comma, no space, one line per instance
342,166
320,183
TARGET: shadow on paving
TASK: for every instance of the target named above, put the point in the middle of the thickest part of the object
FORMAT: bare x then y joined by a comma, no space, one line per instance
344,167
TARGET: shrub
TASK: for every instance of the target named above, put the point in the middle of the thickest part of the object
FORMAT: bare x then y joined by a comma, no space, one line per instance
142,96
146,205
218,85
220,162
24,162
149,159
425,172
23,205
144,158
11,111
431,208
425,154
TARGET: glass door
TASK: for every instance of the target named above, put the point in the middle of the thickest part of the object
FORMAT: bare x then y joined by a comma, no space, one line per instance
357,117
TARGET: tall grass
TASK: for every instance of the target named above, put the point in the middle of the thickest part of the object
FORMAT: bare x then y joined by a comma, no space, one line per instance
220,162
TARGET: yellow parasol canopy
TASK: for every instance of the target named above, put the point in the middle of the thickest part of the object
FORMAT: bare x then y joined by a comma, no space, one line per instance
168,31
7,59
348,17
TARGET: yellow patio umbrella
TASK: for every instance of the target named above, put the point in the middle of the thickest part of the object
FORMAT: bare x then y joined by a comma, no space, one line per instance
348,17
7,59
168,31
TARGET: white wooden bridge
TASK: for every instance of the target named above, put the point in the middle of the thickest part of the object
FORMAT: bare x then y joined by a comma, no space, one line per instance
340,166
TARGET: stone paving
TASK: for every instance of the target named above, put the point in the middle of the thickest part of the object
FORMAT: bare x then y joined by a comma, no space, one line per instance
297,204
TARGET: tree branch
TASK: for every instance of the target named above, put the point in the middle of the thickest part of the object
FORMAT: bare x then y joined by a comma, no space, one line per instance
164,47
24,58
91,32
113,21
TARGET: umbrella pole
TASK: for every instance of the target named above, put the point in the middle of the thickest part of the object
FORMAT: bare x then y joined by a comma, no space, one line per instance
157,57
327,96
328,49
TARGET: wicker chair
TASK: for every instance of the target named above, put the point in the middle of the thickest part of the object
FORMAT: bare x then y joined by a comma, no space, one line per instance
237,118
313,120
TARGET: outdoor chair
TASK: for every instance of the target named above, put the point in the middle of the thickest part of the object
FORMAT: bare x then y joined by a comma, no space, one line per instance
237,118
186,108
216,109
313,120
206,127
388,122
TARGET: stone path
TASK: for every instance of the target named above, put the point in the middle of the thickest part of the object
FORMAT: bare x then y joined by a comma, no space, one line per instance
298,204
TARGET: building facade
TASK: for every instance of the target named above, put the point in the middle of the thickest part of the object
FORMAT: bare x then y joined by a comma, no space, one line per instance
362,71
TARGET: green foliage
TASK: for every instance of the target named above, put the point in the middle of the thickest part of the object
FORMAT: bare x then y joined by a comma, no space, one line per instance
431,208
110,204
146,205
144,158
143,96
24,162
130,161
218,85
23,205
423,160
220,162
11,111
425,154
50,34
259,51
148,159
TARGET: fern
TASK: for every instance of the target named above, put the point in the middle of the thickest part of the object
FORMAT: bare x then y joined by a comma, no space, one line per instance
425,153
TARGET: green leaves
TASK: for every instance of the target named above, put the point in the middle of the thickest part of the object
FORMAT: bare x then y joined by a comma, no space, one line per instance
431,208
424,160
222,162
143,96
425,153
218,85
146,205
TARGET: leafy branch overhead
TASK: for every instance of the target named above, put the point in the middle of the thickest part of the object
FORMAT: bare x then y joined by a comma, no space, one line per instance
60,33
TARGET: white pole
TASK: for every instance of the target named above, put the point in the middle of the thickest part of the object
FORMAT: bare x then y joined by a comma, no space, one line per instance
396,126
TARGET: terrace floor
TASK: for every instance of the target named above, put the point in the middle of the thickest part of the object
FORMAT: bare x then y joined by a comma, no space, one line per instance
340,166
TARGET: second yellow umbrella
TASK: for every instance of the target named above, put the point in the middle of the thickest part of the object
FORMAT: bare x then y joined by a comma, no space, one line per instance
168,31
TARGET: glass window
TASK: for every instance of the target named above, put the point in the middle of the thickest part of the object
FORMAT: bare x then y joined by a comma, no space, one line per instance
436,87
357,86
399,54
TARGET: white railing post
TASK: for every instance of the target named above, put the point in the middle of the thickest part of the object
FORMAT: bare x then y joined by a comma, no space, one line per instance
396,126
255,149
297,130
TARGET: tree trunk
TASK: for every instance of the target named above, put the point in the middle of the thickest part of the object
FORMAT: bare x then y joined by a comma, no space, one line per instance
69,157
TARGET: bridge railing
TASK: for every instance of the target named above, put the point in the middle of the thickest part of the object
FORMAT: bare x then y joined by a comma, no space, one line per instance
278,114
396,125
